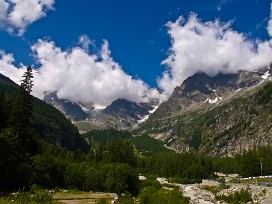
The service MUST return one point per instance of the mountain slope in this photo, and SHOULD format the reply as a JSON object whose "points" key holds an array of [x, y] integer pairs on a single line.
{"points": [[124, 114], [198, 89], [73, 111], [48, 122], [223, 115]]}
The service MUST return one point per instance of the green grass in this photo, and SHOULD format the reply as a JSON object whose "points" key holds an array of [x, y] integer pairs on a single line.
{"points": [[82, 197], [40, 197]]}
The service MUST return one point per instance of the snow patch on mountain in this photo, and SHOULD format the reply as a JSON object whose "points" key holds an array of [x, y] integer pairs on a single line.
{"points": [[83, 108], [147, 116], [266, 75], [99, 107], [216, 100]]}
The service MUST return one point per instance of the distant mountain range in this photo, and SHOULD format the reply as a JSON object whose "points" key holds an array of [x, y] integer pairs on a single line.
{"points": [[221, 115], [120, 114]]}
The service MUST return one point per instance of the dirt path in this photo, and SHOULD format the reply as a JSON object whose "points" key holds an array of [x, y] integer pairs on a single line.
{"points": [[89, 201], [82, 197]]}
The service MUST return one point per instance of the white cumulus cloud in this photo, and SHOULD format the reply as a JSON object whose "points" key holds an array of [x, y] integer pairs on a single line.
{"points": [[211, 47], [16, 15], [77, 75], [8, 69]]}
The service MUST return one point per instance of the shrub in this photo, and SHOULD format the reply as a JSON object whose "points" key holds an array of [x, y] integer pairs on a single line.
{"points": [[242, 196]]}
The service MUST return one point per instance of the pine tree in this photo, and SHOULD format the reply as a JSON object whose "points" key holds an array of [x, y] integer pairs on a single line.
{"points": [[17, 142], [22, 115]]}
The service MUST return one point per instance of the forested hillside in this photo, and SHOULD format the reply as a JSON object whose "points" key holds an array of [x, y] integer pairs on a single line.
{"points": [[49, 123]]}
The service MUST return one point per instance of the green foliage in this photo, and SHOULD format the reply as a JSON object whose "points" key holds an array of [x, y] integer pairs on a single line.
{"points": [[152, 195], [189, 166], [243, 196], [17, 141], [53, 127], [150, 182], [93, 179], [74, 176], [226, 165], [120, 178], [22, 197], [106, 136], [121, 151], [147, 145], [126, 200], [247, 164], [24, 120], [48, 171], [15, 169], [21, 116]]}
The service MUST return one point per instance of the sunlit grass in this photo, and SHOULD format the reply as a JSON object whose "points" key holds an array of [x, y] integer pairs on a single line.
{"points": [[81, 196]]}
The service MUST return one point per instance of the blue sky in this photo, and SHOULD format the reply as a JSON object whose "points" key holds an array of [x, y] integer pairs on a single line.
{"points": [[137, 35]]}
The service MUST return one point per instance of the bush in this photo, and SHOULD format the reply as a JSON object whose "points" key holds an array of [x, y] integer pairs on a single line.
{"points": [[126, 200], [151, 195], [242, 196], [39, 197]]}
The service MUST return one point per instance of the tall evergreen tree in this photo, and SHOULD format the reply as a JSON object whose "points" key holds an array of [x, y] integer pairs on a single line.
{"points": [[17, 142], [22, 115]]}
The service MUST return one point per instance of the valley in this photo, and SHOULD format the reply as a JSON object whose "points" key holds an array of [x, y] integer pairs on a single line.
{"points": [[135, 102], [208, 125]]}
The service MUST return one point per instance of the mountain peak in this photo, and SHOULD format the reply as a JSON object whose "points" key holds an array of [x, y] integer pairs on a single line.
{"points": [[200, 88]]}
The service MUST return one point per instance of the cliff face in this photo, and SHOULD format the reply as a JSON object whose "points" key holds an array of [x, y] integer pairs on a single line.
{"points": [[221, 116]]}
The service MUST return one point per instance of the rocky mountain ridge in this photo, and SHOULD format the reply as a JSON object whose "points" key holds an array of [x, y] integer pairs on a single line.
{"points": [[120, 114], [200, 90], [222, 115]]}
